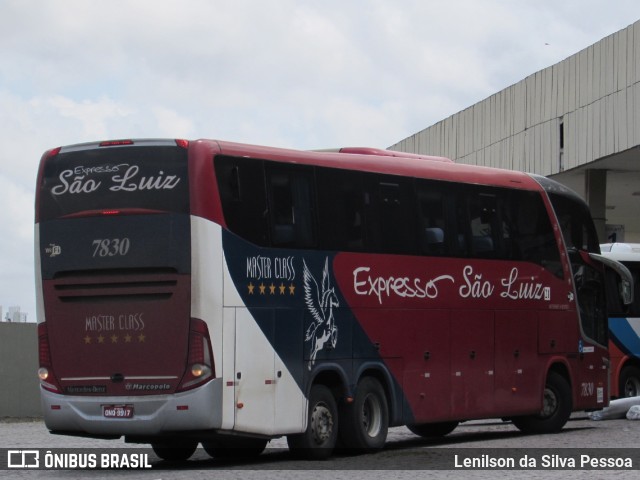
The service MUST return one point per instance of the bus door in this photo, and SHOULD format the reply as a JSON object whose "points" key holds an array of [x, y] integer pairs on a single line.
{"points": [[268, 400], [254, 372]]}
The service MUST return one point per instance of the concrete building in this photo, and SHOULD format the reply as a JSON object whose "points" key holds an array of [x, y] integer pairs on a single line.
{"points": [[577, 121], [14, 315]]}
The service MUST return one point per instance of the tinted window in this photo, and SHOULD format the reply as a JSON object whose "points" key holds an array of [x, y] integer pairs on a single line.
{"points": [[433, 231], [579, 235], [244, 203], [576, 223], [392, 217], [530, 235], [153, 178], [614, 303], [291, 205], [341, 197]]}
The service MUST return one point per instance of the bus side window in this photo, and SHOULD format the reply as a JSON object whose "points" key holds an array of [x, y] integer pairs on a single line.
{"points": [[432, 233], [291, 206], [341, 213], [533, 237], [243, 196], [484, 225], [534, 240], [392, 224]]}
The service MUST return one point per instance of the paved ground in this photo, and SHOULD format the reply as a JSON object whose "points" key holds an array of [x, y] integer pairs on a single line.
{"points": [[405, 456]]}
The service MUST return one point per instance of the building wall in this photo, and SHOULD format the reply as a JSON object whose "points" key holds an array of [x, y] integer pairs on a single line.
{"points": [[20, 391], [596, 91]]}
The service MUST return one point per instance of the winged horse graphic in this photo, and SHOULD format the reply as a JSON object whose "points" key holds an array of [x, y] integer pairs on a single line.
{"points": [[320, 300]]}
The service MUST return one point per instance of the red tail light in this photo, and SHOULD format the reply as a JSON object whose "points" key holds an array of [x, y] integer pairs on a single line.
{"points": [[45, 372], [200, 367], [182, 143]]}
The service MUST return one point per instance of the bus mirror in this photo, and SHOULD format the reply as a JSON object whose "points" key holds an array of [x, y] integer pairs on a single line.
{"points": [[626, 279]]}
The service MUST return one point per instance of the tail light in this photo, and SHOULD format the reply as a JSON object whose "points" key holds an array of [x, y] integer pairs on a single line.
{"points": [[45, 372], [200, 367]]}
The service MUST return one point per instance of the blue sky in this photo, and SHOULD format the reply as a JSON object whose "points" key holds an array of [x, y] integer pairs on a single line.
{"points": [[302, 74]]}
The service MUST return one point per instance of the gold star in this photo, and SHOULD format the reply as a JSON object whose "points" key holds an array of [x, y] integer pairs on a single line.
{"points": [[114, 339], [141, 338], [127, 338], [262, 288], [87, 339], [282, 289], [251, 286], [100, 339], [292, 289], [272, 289]]}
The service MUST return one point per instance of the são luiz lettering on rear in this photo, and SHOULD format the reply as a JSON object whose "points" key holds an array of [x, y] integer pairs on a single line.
{"points": [[186, 287]]}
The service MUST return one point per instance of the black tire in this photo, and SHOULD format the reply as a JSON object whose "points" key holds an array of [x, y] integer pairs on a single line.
{"points": [[175, 451], [629, 382], [556, 408], [364, 423], [319, 440], [235, 447], [433, 429]]}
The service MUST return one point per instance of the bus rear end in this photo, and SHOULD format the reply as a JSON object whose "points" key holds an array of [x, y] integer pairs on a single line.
{"points": [[119, 351]]}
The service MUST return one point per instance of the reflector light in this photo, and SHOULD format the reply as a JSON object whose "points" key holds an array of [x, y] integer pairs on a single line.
{"points": [[182, 407], [115, 143], [55, 407]]}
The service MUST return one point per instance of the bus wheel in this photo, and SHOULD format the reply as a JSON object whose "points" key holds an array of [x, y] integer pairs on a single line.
{"points": [[556, 408], [433, 429], [364, 422], [174, 451], [320, 438], [629, 382], [235, 447]]}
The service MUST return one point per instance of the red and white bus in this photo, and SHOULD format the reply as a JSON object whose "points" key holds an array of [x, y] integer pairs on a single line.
{"points": [[225, 294]]}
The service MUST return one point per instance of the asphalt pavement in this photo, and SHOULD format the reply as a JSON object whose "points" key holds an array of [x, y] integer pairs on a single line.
{"points": [[479, 449]]}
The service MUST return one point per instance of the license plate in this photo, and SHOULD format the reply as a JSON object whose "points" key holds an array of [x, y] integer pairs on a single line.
{"points": [[117, 411]]}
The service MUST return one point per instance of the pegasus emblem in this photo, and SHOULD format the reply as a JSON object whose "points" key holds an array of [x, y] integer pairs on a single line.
{"points": [[320, 300]]}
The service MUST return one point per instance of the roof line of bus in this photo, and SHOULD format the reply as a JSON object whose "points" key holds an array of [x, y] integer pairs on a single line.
{"points": [[354, 158], [371, 160]]}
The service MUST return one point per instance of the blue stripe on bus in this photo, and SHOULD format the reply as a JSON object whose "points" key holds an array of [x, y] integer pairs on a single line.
{"points": [[624, 336]]}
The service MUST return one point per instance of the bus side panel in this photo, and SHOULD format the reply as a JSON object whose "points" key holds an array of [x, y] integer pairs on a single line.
{"points": [[251, 370], [427, 352], [517, 365], [472, 363]]}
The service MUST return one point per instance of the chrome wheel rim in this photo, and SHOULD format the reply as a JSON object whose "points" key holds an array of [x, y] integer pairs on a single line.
{"points": [[371, 415], [321, 423]]}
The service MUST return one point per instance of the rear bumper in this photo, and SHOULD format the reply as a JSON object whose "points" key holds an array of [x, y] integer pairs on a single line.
{"points": [[197, 409]]}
